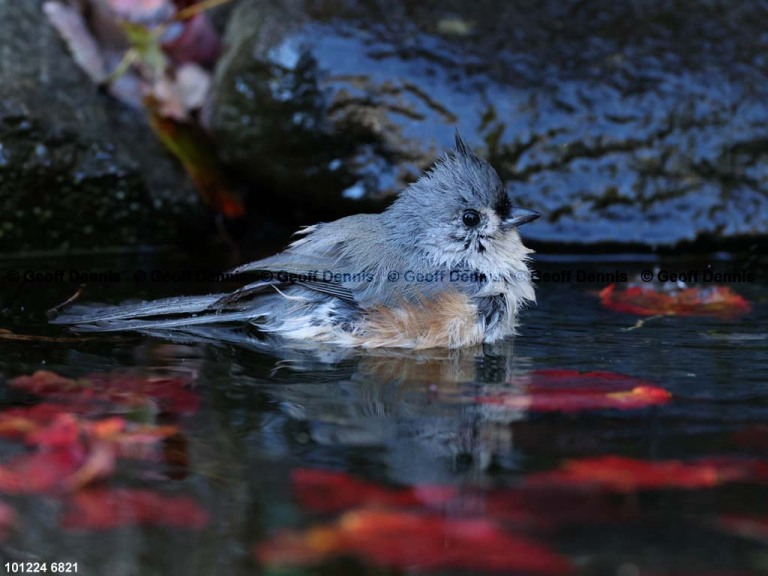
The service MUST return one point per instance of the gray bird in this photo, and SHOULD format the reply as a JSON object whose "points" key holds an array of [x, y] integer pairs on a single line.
{"points": [[443, 266]]}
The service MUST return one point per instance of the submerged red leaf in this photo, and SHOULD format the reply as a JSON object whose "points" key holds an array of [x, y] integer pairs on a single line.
{"points": [[409, 540], [753, 437], [546, 510], [7, 519], [99, 462], [95, 393], [20, 422], [49, 426], [326, 491], [63, 432], [39, 472], [44, 382], [651, 300], [102, 509], [323, 491], [66, 459], [573, 391], [139, 442], [59, 470], [72, 452], [620, 474], [747, 526]]}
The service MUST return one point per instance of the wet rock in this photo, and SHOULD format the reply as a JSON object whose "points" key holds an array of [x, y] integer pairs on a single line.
{"points": [[625, 123], [77, 170]]}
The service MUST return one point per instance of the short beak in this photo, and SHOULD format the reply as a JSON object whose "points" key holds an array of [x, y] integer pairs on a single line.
{"points": [[519, 216]]}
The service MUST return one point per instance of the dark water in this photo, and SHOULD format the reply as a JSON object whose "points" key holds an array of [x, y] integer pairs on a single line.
{"points": [[400, 420]]}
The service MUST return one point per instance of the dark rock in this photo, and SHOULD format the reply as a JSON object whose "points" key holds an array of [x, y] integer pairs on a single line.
{"points": [[623, 122], [77, 169]]}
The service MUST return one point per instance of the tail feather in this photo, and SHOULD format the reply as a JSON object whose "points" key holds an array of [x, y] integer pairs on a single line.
{"points": [[167, 306], [168, 313], [131, 324]]}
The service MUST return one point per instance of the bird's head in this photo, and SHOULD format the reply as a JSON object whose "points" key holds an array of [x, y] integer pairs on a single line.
{"points": [[459, 214]]}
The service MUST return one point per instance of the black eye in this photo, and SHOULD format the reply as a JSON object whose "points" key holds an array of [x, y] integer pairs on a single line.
{"points": [[470, 218]]}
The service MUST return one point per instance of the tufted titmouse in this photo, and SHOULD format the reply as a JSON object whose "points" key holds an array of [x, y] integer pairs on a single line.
{"points": [[443, 266]]}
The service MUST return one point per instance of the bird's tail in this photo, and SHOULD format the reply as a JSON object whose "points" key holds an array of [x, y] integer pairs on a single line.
{"points": [[168, 313]]}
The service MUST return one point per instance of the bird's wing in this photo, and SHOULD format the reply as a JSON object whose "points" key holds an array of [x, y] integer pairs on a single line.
{"points": [[353, 260], [326, 259], [316, 273], [386, 282], [311, 272]]}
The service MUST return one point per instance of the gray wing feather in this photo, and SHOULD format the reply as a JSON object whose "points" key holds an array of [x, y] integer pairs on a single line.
{"points": [[332, 289]]}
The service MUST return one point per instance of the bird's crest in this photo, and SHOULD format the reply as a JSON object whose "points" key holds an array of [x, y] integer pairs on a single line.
{"points": [[462, 147]]}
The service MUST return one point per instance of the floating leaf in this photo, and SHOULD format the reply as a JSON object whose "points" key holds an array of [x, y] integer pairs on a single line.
{"points": [[574, 391], [620, 474], [413, 541], [103, 509], [652, 300]]}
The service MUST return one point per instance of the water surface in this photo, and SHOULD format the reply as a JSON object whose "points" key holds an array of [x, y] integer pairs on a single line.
{"points": [[399, 420]]}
